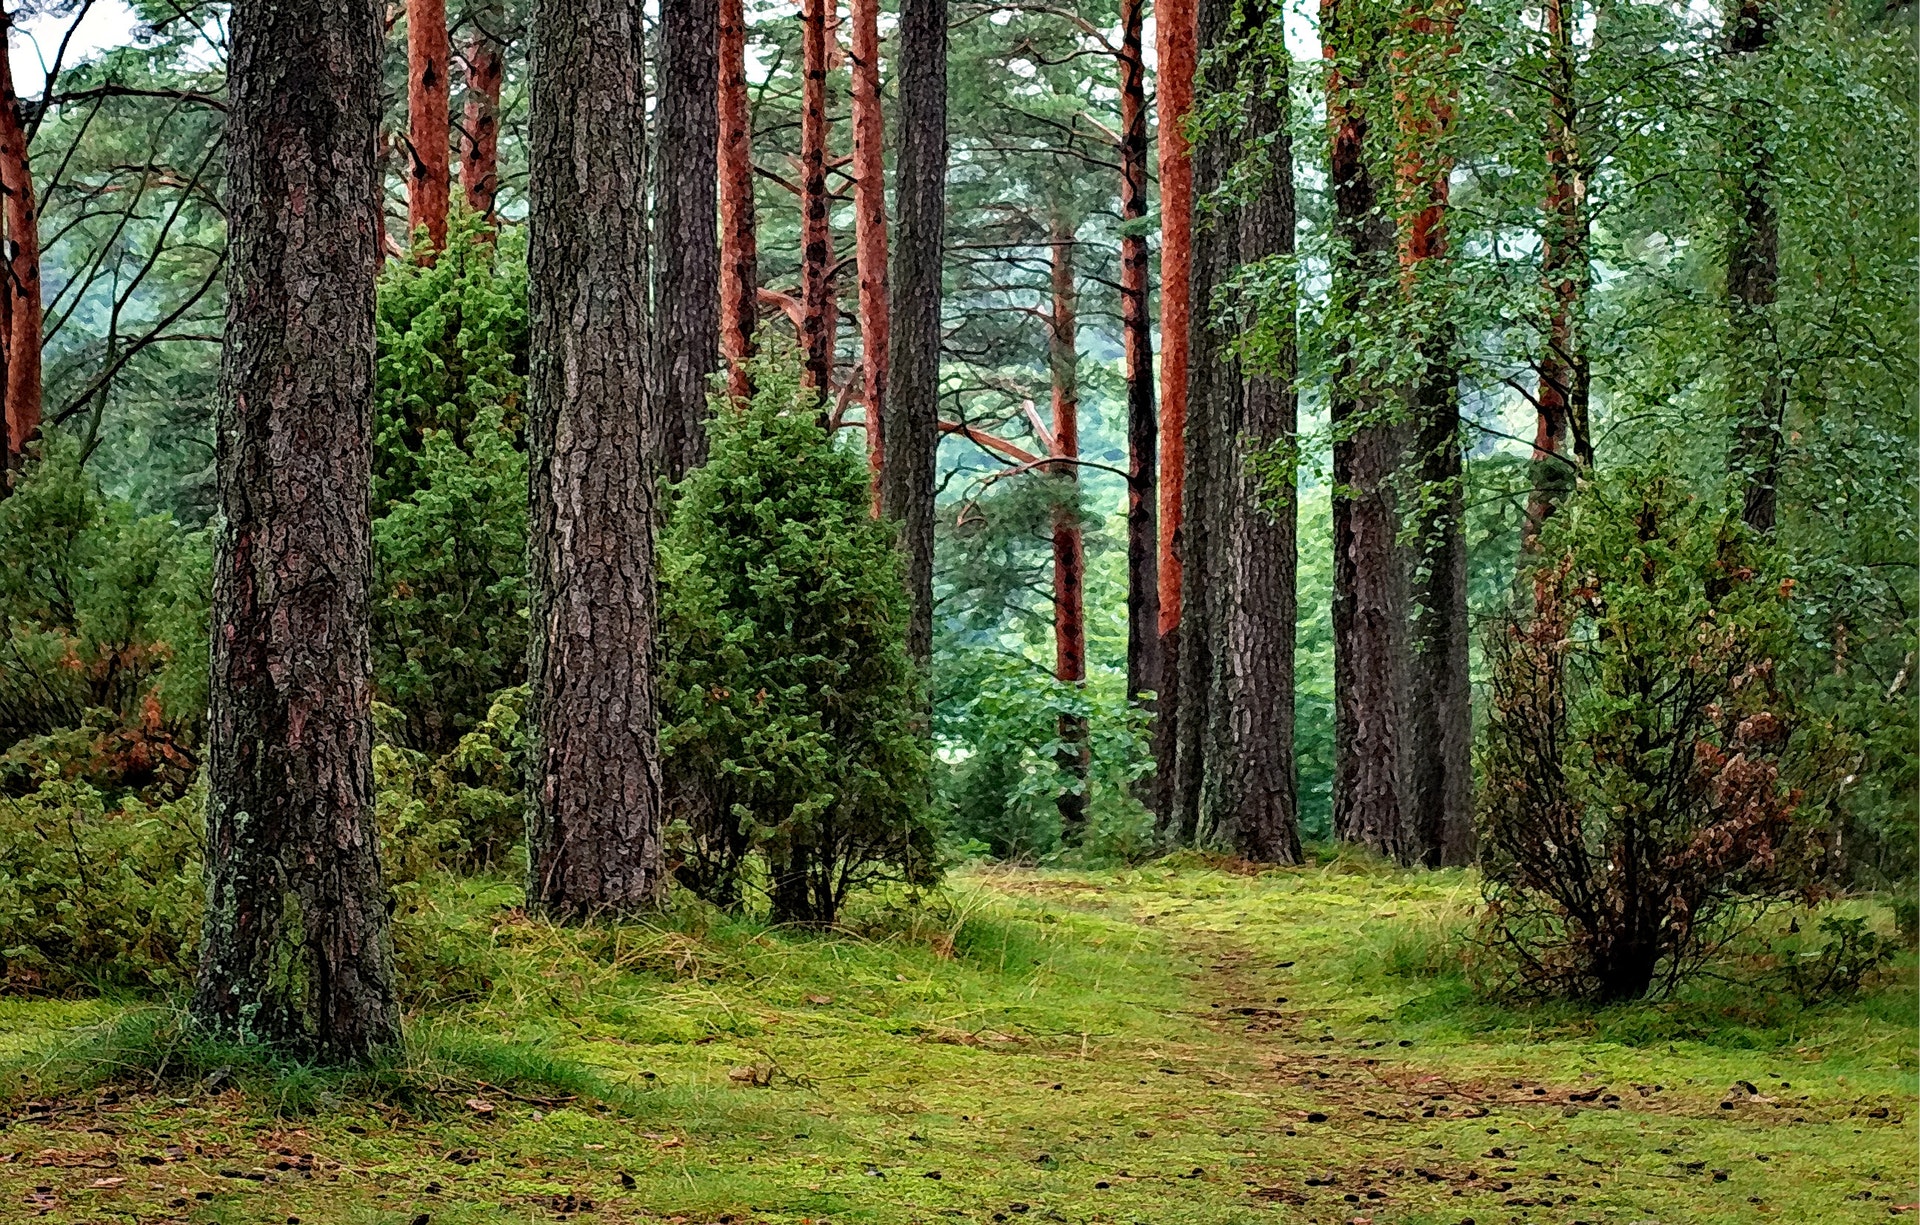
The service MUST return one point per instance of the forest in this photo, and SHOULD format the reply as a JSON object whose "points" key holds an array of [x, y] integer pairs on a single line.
{"points": [[1139, 612]]}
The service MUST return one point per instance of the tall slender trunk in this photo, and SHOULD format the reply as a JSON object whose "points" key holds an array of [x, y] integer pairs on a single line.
{"points": [[429, 60], [295, 950], [816, 238], [912, 433], [480, 120], [23, 263], [1757, 396], [1369, 582], [1252, 801], [870, 228], [1136, 325], [1069, 553], [686, 253], [1174, 33], [739, 244], [594, 838]]}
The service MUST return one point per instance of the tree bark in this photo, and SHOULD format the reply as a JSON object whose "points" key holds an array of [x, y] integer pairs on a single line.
{"points": [[594, 813], [870, 229], [429, 61], [1175, 30], [480, 140], [739, 247], [296, 950], [1756, 392], [1369, 582], [1069, 552], [1136, 324], [816, 236], [912, 432], [23, 396], [686, 262]]}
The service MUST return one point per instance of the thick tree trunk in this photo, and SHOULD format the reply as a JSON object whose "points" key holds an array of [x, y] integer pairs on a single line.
{"points": [[816, 236], [296, 950], [1369, 583], [912, 433], [1069, 552], [593, 833], [23, 263], [429, 62], [686, 260], [1756, 392], [870, 228], [1136, 324], [1175, 30], [480, 141], [739, 245]]}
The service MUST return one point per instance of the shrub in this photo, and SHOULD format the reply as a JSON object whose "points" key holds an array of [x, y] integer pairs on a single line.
{"points": [[1639, 754], [463, 811], [788, 703]]}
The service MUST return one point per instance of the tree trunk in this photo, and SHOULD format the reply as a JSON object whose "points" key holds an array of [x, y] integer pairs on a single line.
{"points": [[870, 228], [739, 247], [429, 60], [1069, 553], [1253, 801], [1369, 584], [480, 142], [1136, 324], [23, 265], [912, 432], [593, 833], [686, 262], [295, 949], [1756, 393], [816, 237], [1174, 33]]}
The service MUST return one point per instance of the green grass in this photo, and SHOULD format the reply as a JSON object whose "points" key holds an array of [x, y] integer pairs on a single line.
{"points": [[1151, 1045]]}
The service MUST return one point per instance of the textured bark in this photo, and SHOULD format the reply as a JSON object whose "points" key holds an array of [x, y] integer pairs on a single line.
{"points": [[1136, 324], [686, 261], [480, 118], [594, 811], [739, 245], [1174, 34], [1251, 799], [1756, 393], [296, 950], [912, 433], [816, 236], [1369, 582], [23, 263], [429, 62], [870, 228], [1069, 551]]}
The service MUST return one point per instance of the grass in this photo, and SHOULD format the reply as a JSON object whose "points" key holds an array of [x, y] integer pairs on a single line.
{"points": [[1178, 1043]]}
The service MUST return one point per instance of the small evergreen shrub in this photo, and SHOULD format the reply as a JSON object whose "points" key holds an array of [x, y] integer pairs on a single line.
{"points": [[464, 811], [788, 703]]}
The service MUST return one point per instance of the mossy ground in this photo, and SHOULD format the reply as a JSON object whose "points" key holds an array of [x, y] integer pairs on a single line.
{"points": [[1179, 1043]]}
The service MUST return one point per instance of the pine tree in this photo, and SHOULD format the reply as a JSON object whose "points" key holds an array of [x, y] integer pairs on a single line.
{"points": [[429, 62], [686, 263]]}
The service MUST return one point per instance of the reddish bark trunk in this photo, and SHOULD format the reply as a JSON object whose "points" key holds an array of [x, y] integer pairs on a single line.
{"points": [[1136, 323], [480, 142], [1069, 553], [428, 58], [23, 270], [870, 226], [816, 239], [739, 247]]}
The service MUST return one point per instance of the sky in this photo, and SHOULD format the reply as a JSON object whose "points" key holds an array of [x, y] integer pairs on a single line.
{"points": [[36, 40]]}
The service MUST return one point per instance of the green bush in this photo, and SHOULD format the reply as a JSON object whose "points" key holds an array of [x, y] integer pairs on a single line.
{"points": [[463, 811], [788, 703]]}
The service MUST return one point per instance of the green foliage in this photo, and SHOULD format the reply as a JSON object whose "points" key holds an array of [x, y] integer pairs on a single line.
{"points": [[1844, 963], [463, 811], [788, 703]]}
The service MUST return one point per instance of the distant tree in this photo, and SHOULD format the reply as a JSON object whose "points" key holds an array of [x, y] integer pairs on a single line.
{"points": [[429, 82], [870, 229], [22, 311], [486, 61], [686, 261], [739, 237]]}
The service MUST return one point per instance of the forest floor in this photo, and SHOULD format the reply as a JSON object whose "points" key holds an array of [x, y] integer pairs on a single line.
{"points": [[1178, 1044]]}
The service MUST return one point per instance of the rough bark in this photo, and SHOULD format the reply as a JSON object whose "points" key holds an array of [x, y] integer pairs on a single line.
{"points": [[1069, 552], [429, 63], [1369, 583], [816, 236], [870, 229], [686, 260], [594, 810], [22, 339], [1174, 33], [1136, 324], [739, 246], [1756, 393], [296, 950], [480, 118], [912, 433]]}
